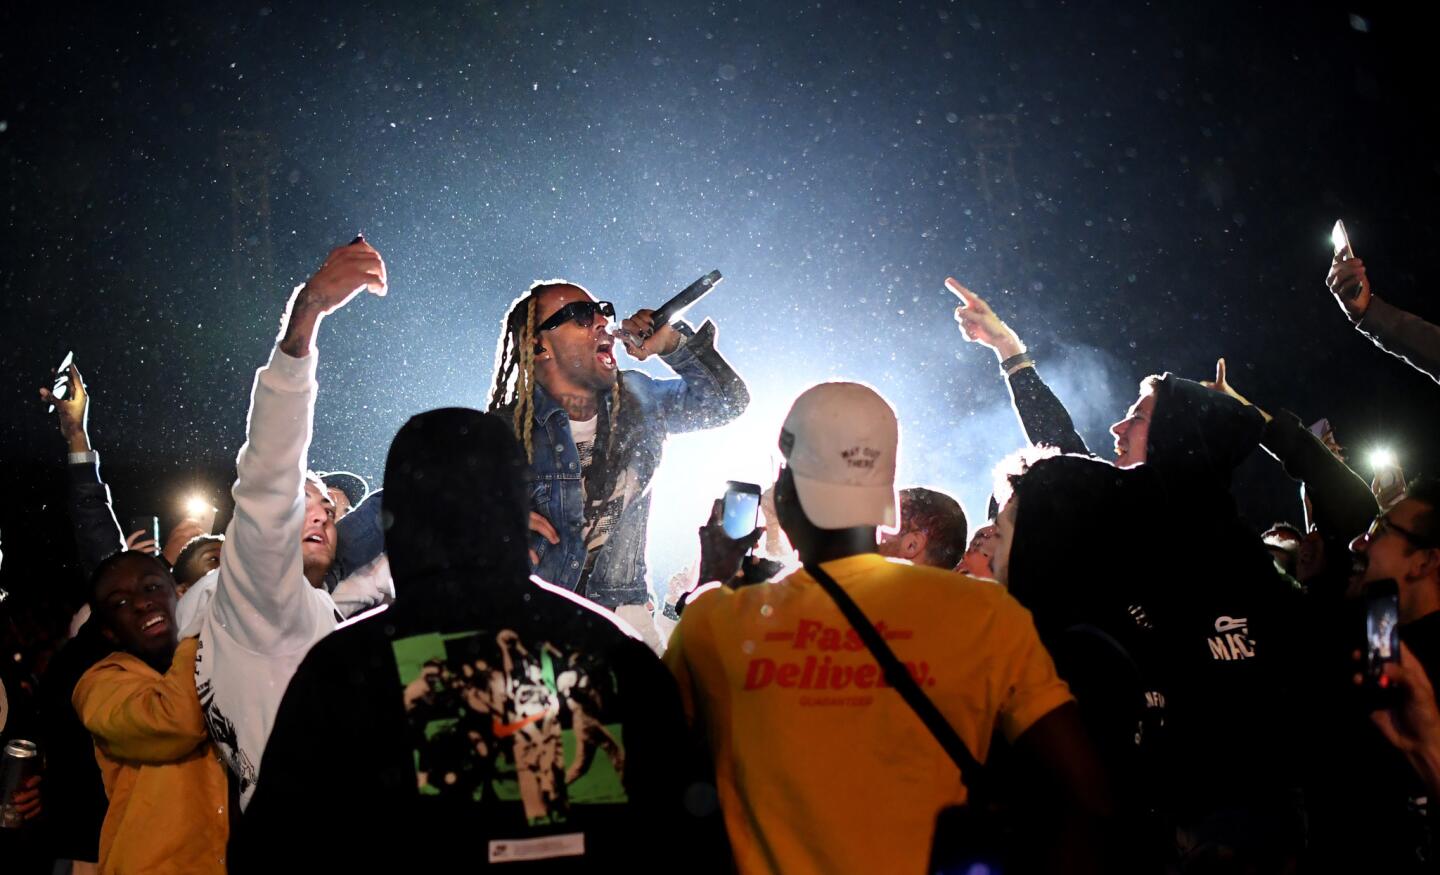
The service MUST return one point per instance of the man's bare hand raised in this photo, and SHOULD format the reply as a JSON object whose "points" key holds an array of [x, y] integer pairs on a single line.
{"points": [[980, 325], [346, 273]]}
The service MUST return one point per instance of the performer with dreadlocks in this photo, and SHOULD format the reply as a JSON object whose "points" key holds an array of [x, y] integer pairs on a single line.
{"points": [[594, 434]]}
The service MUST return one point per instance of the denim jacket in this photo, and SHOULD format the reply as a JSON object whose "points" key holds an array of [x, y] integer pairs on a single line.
{"points": [[708, 394]]}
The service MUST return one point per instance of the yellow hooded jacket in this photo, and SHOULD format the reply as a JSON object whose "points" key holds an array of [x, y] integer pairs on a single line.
{"points": [[167, 787]]}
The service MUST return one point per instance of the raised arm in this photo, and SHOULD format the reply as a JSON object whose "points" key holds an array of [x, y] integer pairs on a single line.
{"points": [[97, 534], [1338, 502], [709, 392], [1403, 335], [1342, 501], [141, 717], [261, 581], [1043, 418]]}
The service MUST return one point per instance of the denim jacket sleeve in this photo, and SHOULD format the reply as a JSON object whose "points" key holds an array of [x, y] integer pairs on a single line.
{"points": [[709, 393], [359, 536]]}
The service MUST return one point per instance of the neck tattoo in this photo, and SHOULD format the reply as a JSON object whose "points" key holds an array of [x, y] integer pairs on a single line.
{"points": [[579, 407]]}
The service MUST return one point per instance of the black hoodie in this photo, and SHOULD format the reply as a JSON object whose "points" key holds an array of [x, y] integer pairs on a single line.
{"points": [[482, 718], [1093, 541], [1077, 566], [1229, 618]]}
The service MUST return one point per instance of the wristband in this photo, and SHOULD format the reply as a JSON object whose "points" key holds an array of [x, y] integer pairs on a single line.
{"points": [[1015, 362]]}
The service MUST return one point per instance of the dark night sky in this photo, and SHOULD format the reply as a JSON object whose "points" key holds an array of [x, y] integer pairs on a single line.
{"points": [[1176, 170]]}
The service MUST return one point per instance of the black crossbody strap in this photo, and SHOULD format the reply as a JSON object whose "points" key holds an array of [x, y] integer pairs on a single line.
{"points": [[971, 772]]}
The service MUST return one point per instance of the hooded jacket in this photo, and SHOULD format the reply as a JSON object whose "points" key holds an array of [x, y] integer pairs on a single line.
{"points": [[168, 807], [491, 717], [1165, 538], [1228, 617]]}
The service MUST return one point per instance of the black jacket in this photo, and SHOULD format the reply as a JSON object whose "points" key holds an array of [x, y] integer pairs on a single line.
{"points": [[1043, 418], [1166, 538], [74, 794], [1230, 618], [1339, 502], [1080, 564]]}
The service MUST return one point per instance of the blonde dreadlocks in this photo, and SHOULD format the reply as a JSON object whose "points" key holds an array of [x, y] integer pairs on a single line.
{"points": [[515, 370]]}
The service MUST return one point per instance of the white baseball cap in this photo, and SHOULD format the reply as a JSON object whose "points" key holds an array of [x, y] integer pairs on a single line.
{"points": [[840, 441]]}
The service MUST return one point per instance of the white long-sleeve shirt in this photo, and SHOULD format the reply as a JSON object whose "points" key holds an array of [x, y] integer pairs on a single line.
{"points": [[263, 616]]}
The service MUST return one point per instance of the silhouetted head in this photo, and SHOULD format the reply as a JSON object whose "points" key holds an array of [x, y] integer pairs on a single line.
{"points": [[455, 499]]}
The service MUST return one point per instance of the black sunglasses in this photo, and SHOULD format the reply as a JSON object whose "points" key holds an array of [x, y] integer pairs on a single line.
{"points": [[582, 312]]}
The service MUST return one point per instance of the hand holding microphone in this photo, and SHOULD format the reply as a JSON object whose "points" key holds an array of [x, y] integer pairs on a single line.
{"points": [[648, 332], [652, 339]]}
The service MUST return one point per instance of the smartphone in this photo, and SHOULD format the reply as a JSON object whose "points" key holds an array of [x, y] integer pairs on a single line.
{"points": [[150, 523], [1341, 241], [1320, 427], [742, 509], [1382, 637], [62, 379]]}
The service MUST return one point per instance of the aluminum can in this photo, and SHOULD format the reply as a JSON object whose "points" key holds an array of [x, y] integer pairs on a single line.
{"points": [[20, 763]]}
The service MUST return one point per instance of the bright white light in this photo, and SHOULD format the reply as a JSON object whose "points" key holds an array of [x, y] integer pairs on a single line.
{"points": [[1382, 458], [1338, 238], [196, 507], [697, 465]]}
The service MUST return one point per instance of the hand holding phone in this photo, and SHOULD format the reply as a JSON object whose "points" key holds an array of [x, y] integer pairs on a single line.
{"points": [[68, 400], [1412, 723], [146, 536], [62, 380], [741, 508], [1346, 279], [721, 554], [1382, 640]]}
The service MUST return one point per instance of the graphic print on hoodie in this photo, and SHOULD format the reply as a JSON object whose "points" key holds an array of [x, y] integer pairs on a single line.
{"points": [[497, 718]]}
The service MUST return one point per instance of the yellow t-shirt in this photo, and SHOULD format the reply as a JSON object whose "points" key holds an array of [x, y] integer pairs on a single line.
{"points": [[821, 766]]}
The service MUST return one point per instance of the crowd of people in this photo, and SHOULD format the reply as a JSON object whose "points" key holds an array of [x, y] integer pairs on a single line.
{"points": [[468, 666]]}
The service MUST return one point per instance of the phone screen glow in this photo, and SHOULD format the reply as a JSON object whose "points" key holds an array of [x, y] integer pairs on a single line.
{"points": [[1339, 239], [742, 512], [1382, 629]]}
